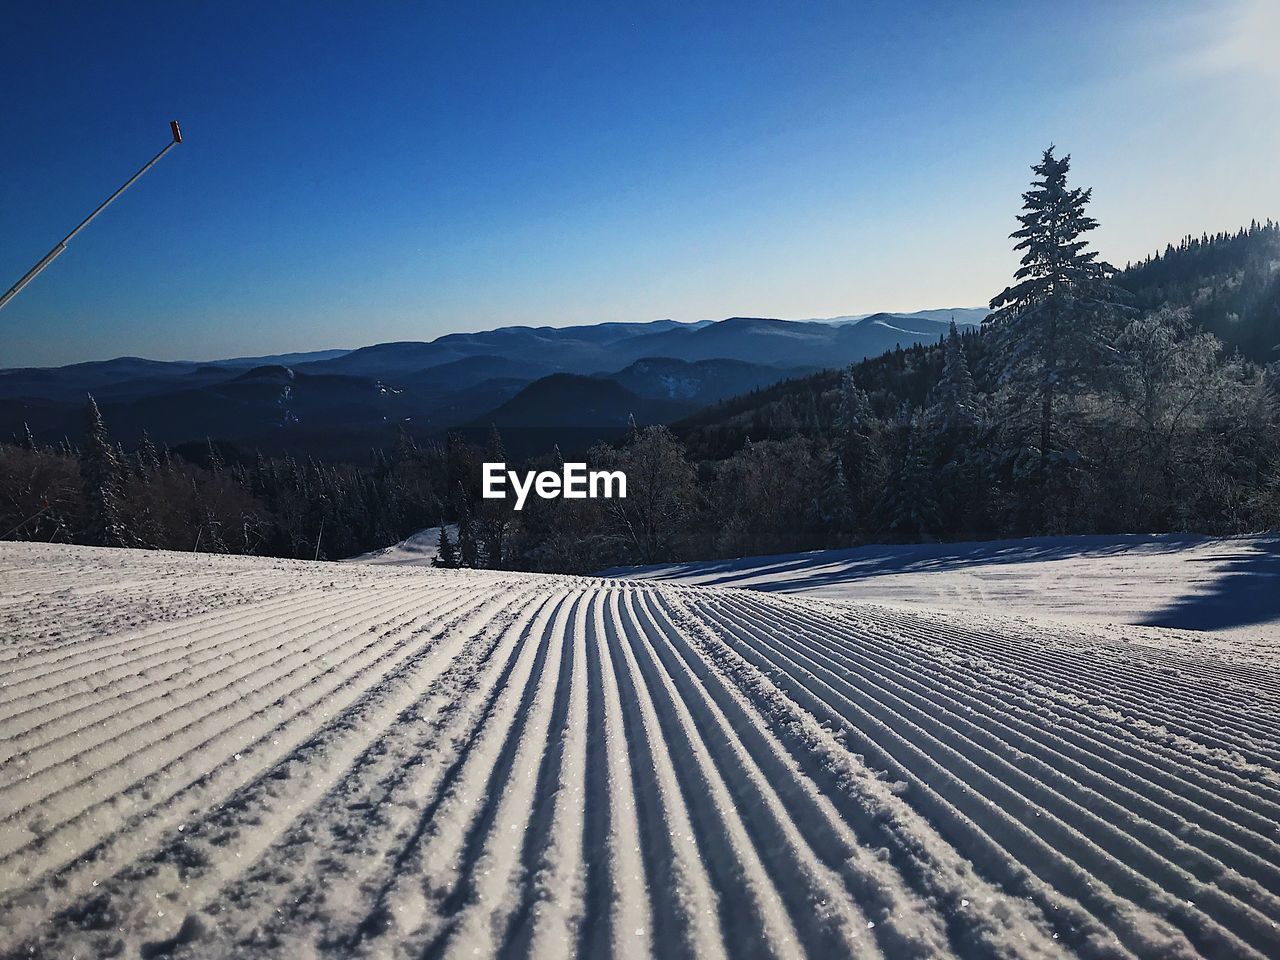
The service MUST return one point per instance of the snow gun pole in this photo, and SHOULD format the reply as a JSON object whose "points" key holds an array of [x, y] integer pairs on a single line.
{"points": [[62, 244]]}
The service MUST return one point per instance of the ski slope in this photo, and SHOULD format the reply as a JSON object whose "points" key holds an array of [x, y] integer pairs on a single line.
{"points": [[1226, 588], [210, 756]]}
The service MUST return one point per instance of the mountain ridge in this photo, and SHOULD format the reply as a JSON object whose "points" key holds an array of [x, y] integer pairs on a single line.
{"points": [[356, 397]]}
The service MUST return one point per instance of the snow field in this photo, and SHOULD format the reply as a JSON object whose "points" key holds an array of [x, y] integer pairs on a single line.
{"points": [[1171, 589], [216, 756]]}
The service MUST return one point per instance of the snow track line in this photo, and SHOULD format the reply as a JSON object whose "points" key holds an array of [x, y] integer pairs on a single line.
{"points": [[69, 823], [1049, 846], [1227, 794], [555, 905], [162, 644], [480, 611], [801, 885], [411, 907], [495, 875], [548, 812], [1092, 681], [969, 820], [416, 691], [500, 775], [1216, 836], [237, 658], [400, 797], [1076, 713], [668, 883], [630, 915], [227, 698], [74, 655], [787, 790], [923, 860], [1241, 905]]}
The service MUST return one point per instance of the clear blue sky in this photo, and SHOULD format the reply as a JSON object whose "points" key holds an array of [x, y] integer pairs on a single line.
{"points": [[413, 169]]}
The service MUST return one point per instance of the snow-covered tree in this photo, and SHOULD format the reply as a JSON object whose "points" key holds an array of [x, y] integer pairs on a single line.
{"points": [[909, 508], [1170, 396], [406, 448], [101, 475], [1047, 322], [859, 443], [662, 488], [954, 397], [149, 459], [836, 507], [216, 462]]}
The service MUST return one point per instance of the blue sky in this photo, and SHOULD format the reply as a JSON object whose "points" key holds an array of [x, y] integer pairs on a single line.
{"points": [[406, 169]]}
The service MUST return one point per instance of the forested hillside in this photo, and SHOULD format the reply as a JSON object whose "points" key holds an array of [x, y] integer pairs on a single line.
{"points": [[1091, 401], [1229, 282]]}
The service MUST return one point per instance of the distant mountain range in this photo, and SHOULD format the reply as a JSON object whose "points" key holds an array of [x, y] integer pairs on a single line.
{"points": [[961, 315], [340, 403]]}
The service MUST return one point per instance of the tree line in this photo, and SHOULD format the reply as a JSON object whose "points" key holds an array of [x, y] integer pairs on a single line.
{"points": [[214, 499]]}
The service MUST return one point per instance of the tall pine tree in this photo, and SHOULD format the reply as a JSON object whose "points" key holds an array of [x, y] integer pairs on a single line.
{"points": [[954, 419], [954, 397], [1048, 320], [859, 442]]}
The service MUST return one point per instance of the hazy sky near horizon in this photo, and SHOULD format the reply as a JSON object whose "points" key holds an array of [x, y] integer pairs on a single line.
{"points": [[410, 170]]}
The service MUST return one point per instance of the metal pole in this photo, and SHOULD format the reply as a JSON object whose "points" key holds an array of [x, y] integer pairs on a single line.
{"points": [[62, 244], [43, 510]]}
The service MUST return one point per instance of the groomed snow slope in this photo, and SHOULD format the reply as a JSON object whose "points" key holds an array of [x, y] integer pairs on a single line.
{"points": [[1226, 586], [219, 756]]}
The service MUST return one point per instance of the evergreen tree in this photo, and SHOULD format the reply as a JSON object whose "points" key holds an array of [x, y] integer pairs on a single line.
{"points": [[835, 505], [468, 554], [909, 506], [126, 465], [148, 459], [406, 450], [952, 421], [147, 529], [216, 462], [1048, 320], [859, 444], [494, 515], [101, 475], [448, 553], [955, 397], [495, 452]]}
